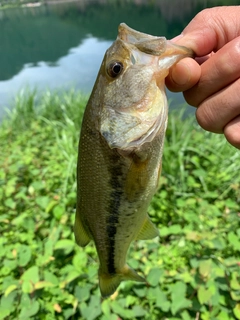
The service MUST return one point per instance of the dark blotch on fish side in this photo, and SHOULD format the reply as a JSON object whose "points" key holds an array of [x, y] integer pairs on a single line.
{"points": [[114, 205]]}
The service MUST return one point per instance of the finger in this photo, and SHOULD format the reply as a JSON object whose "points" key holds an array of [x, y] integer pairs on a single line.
{"points": [[218, 71], [211, 29], [184, 75], [207, 32], [232, 132], [214, 113], [202, 59]]}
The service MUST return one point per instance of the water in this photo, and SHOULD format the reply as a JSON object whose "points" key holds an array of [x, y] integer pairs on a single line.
{"points": [[61, 45]]}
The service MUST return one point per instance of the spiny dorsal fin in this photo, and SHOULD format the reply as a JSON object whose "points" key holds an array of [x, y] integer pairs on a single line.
{"points": [[148, 230]]}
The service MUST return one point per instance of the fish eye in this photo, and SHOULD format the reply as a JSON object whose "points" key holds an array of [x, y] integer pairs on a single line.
{"points": [[114, 69]]}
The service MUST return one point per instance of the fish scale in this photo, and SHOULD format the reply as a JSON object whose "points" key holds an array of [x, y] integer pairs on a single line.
{"points": [[120, 150]]}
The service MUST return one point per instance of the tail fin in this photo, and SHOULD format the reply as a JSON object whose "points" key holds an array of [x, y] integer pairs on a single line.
{"points": [[109, 283]]}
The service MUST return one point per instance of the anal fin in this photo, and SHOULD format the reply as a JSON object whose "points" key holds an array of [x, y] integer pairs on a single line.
{"points": [[148, 230], [81, 235]]}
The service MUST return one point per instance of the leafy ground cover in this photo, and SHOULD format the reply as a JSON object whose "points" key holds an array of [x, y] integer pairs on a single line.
{"points": [[192, 270]]}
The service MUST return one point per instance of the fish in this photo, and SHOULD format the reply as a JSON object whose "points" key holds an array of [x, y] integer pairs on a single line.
{"points": [[120, 150]]}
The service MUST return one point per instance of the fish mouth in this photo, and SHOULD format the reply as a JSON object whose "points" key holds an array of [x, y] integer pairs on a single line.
{"points": [[158, 52], [153, 45]]}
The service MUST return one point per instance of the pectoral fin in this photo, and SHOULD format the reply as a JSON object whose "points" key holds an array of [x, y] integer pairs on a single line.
{"points": [[148, 230], [137, 178], [81, 235]]}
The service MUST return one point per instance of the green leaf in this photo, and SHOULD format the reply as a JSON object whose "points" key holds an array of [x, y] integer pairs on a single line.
{"points": [[24, 255], [223, 316], [10, 289], [38, 185], [130, 300], [138, 311], [236, 311], [8, 302], [4, 312], [179, 301], [219, 243], [161, 300], [110, 317], [140, 291], [234, 241], [50, 206], [50, 277], [66, 245], [185, 315], [42, 201], [204, 295], [235, 295], [29, 311], [175, 229], [68, 313], [235, 281], [31, 275], [48, 248], [27, 287], [58, 211], [80, 260], [154, 276], [122, 312], [194, 262], [10, 203], [72, 275], [93, 310], [43, 284], [178, 289], [205, 267], [83, 294], [106, 308]]}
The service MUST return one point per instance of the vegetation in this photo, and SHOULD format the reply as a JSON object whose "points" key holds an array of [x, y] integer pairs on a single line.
{"points": [[192, 271]]}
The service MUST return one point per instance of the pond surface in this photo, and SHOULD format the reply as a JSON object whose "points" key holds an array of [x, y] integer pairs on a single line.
{"points": [[61, 45]]}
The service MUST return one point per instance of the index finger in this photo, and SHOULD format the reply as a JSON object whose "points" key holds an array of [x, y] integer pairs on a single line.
{"points": [[211, 29]]}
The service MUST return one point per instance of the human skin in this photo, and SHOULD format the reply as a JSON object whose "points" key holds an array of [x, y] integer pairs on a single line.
{"points": [[211, 82]]}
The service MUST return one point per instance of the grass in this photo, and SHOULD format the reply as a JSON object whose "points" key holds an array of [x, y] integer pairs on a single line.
{"points": [[192, 271]]}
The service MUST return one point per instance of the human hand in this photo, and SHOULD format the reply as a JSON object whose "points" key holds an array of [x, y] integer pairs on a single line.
{"points": [[211, 82]]}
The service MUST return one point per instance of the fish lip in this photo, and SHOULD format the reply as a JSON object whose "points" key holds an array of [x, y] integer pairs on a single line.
{"points": [[145, 43], [174, 49], [154, 45], [133, 36], [173, 54]]}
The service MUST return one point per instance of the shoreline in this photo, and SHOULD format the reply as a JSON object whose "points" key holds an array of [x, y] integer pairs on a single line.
{"points": [[30, 4]]}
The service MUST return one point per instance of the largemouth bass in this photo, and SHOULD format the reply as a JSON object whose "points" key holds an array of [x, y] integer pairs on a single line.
{"points": [[120, 150]]}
